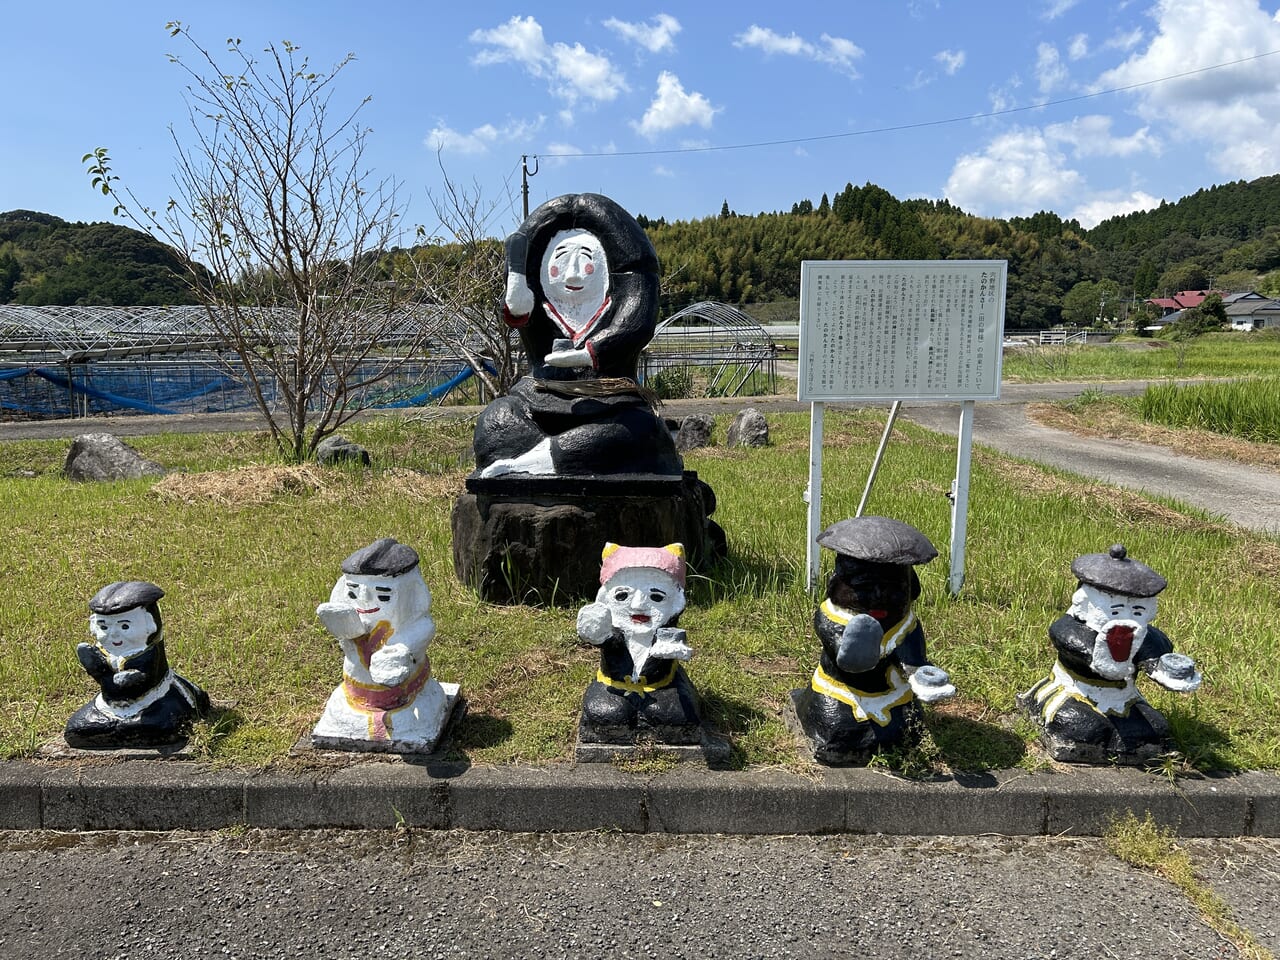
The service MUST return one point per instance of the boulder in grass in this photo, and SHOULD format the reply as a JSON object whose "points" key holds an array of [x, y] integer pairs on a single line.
{"points": [[338, 449], [695, 431], [749, 429], [102, 456]]}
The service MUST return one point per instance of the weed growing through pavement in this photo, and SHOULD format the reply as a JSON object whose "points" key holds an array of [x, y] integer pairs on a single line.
{"points": [[1143, 843]]}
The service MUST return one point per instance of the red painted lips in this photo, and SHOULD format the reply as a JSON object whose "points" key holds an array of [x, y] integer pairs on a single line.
{"points": [[1120, 643]]}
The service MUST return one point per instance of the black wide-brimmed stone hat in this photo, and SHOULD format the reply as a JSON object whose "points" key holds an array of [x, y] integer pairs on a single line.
{"points": [[879, 540], [382, 558], [1115, 572], [124, 595]]}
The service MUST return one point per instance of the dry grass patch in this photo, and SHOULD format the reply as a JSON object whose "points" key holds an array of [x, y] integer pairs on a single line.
{"points": [[1262, 556], [242, 486], [254, 486], [1114, 421], [1096, 499]]}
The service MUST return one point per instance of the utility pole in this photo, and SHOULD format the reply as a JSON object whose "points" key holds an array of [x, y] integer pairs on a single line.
{"points": [[525, 174]]}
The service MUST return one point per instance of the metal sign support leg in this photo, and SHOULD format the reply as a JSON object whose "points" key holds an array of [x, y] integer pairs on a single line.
{"points": [[813, 495], [875, 466], [960, 498]]}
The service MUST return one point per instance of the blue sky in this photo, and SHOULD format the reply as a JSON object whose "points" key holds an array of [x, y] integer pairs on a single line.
{"points": [[1000, 106]]}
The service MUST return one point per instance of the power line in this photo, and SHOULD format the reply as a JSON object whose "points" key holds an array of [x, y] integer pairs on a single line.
{"points": [[911, 126]]}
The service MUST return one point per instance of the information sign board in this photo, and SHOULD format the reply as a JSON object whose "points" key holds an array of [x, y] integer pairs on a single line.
{"points": [[901, 329]]}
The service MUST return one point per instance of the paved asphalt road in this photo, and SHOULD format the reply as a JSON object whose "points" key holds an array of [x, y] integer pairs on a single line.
{"points": [[359, 894]]}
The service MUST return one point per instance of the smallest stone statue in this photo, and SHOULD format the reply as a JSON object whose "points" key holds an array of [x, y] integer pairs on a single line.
{"points": [[388, 701], [143, 702], [873, 672], [1089, 708], [641, 689]]}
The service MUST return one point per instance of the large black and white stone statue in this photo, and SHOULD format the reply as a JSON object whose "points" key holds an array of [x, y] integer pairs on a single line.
{"points": [[641, 690], [575, 455], [873, 673], [1089, 708], [143, 702], [582, 291], [379, 612]]}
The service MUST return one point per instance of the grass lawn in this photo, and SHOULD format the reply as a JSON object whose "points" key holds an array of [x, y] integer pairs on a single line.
{"points": [[245, 549]]}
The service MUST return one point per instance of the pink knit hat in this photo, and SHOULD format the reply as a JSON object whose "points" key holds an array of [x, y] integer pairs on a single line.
{"points": [[668, 559]]}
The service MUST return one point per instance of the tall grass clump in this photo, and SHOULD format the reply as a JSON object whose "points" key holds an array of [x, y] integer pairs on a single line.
{"points": [[1249, 409]]}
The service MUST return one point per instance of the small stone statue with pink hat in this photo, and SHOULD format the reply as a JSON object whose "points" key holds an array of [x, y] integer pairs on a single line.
{"points": [[641, 690]]}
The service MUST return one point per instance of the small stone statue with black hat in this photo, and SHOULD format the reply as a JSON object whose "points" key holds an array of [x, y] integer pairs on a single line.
{"points": [[1089, 707], [873, 672], [378, 611], [143, 702]]}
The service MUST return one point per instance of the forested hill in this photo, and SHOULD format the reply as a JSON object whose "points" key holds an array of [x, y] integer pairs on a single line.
{"points": [[1238, 211], [46, 260], [741, 259], [1227, 237]]}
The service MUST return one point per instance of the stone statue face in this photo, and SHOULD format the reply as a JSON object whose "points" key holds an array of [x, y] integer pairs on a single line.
{"points": [[641, 599], [880, 590], [122, 634], [397, 600], [575, 274], [1098, 607]]}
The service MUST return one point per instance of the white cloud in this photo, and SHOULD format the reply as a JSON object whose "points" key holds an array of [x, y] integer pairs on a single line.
{"points": [[1091, 136], [836, 52], [951, 60], [1019, 173], [1004, 98], [1125, 41], [662, 171], [1051, 74], [571, 71], [1228, 112], [1078, 46], [656, 36], [1057, 8], [672, 107], [481, 138], [1113, 204]]}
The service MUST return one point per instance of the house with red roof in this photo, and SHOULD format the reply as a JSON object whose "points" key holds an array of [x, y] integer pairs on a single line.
{"points": [[1182, 300]]}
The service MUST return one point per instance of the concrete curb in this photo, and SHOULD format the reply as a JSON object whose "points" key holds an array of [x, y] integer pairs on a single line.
{"points": [[172, 795]]}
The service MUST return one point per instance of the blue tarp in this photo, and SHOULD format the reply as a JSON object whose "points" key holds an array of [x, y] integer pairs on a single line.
{"points": [[144, 388]]}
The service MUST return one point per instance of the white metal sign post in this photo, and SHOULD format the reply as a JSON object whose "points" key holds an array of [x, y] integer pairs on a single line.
{"points": [[899, 330]]}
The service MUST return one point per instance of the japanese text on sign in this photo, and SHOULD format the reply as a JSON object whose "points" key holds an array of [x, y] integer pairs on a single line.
{"points": [[901, 329]]}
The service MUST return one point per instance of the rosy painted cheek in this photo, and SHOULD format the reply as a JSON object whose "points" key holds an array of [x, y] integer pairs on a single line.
{"points": [[554, 271], [589, 269]]}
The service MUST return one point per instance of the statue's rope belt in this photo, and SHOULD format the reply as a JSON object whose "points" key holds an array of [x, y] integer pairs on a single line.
{"points": [[599, 387]]}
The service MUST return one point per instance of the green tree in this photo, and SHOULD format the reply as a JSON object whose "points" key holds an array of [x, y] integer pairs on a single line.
{"points": [[1146, 278], [1186, 275]]}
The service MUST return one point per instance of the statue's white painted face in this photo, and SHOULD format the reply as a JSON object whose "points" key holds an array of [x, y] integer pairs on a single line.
{"points": [[575, 271], [122, 634], [641, 599], [1098, 607], [394, 599]]}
